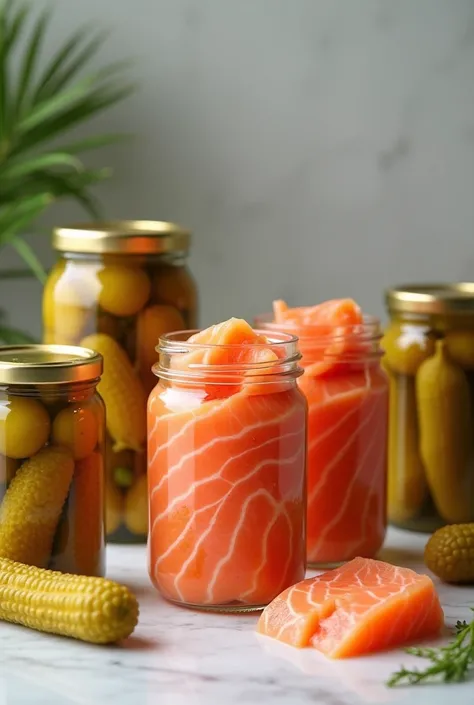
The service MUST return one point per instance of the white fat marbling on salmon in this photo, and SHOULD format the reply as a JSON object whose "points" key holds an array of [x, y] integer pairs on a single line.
{"points": [[269, 424]]}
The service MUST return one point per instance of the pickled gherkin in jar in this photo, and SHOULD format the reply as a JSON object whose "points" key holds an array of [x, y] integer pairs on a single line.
{"points": [[407, 486], [446, 435], [121, 285], [429, 356]]}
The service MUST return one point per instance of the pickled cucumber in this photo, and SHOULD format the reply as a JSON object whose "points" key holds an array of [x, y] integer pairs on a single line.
{"points": [[446, 430], [450, 553], [406, 346], [460, 345], [407, 486]]}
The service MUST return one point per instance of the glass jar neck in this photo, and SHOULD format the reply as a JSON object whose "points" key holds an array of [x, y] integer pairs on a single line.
{"points": [[183, 362], [75, 391], [443, 321]]}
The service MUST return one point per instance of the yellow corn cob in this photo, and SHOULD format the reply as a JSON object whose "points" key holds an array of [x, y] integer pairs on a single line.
{"points": [[31, 508], [91, 609], [122, 392]]}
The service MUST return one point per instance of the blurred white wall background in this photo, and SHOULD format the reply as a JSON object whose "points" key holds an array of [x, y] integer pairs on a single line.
{"points": [[316, 148]]}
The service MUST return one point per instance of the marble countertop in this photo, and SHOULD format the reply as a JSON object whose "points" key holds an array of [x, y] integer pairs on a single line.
{"points": [[181, 657]]}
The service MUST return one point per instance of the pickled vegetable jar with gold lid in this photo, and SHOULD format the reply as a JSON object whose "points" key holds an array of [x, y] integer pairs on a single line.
{"points": [[429, 357], [52, 432], [116, 288]]}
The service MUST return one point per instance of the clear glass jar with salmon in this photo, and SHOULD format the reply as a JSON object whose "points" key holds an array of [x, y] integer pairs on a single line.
{"points": [[52, 434], [116, 288], [429, 357], [226, 468], [347, 394]]}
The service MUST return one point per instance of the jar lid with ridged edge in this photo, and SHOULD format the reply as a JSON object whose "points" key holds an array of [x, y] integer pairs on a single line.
{"points": [[138, 237], [48, 364], [442, 298]]}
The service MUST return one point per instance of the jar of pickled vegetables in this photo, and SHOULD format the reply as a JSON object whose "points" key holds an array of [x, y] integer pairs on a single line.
{"points": [[347, 394], [52, 432], [117, 287], [429, 356], [226, 468]]}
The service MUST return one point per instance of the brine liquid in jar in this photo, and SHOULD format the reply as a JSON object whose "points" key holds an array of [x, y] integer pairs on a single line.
{"points": [[347, 394], [226, 468], [116, 288], [429, 357]]}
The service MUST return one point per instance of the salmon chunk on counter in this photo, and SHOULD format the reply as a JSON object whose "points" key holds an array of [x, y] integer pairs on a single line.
{"points": [[361, 607]]}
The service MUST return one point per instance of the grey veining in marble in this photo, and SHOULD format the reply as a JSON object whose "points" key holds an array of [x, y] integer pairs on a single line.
{"points": [[181, 657]]}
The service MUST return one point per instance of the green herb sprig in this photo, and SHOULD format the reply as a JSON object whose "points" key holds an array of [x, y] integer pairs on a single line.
{"points": [[449, 664]]}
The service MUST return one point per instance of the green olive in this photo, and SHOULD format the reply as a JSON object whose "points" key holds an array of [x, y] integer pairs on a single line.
{"points": [[406, 346]]}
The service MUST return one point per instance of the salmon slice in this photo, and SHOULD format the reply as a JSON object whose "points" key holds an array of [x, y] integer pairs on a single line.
{"points": [[226, 482], [335, 312], [361, 607], [235, 333], [346, 471], [330, 333]]}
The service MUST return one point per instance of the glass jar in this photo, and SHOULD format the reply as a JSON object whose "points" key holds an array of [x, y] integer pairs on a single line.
{"points": [[429, 356], [116, 288], [226, 473], [52, 429], [347, 394]]}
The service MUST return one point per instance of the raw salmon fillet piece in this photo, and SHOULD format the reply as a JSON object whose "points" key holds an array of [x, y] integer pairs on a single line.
{"points": [[335, 312], [361, 607]]}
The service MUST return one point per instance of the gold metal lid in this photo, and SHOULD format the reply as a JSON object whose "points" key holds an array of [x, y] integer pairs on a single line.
{"points": [[139, 237], [48, 364], [431, 298]]}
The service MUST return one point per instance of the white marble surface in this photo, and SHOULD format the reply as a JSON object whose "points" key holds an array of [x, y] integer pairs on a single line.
{"points": [[181, 657]]}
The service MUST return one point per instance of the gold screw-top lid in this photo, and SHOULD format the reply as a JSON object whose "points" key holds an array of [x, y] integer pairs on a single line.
{"points": [[431, 298], [138, 237], [48, 364]]}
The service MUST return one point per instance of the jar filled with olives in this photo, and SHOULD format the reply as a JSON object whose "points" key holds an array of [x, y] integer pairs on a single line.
{"points": [[429, 358], [116, 288]]}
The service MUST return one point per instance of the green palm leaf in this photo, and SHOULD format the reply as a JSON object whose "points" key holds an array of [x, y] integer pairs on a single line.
{"points": [[28, 255], [15, 26], [89, 107], [52, 73], [94, 142], [18, 214], [18, 168], [62, 77], [13, 336], [30, 60], [39, 104]]}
